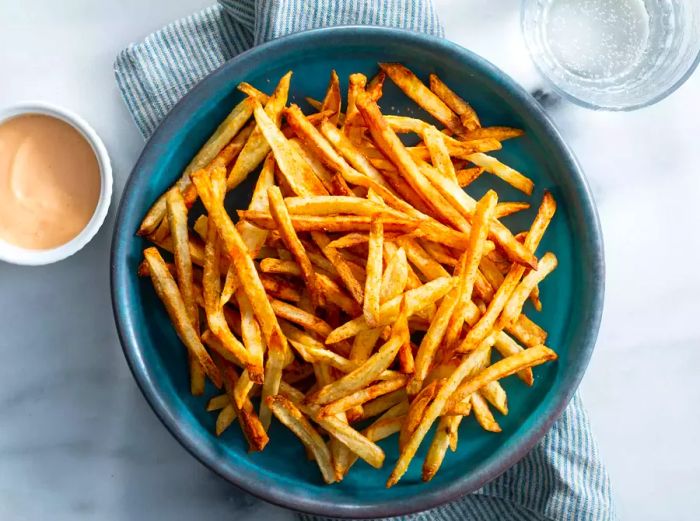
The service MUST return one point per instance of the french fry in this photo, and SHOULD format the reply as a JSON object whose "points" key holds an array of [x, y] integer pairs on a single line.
{"points": [[369, 370], [499, 133], [433, 411], [466, 113], [225, 418], [332, 100], [330, 224], [395, 150], [416, 299], [482, 413], [297, 172], [252, 338], [517, 299], [256, 148], [374, 273], [362, 396], [238, 253], [279, 213], [315, 163], [467, 176], [429, 267], [168, 292], [287, 413], [496, 396], [299, 316], [416, 411], [341, 265], [217, 403], [509, 175], [177, 218], [502, 368], [506, 346], [424, 97], [336, 205], [480, 224], [222, 135], [384, 403], [439, 155], [356, 83], [446, 429], [197, 376], [505, 209]]}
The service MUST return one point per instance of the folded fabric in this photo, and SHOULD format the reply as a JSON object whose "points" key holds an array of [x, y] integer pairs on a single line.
{"points": [[562, 478]]}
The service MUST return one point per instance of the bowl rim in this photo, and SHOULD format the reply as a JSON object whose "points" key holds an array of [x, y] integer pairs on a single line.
{"points": [[278, 495], [29, 257]]}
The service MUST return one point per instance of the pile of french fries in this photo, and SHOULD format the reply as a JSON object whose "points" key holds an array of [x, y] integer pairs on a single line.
{"points": [[363, 293]]}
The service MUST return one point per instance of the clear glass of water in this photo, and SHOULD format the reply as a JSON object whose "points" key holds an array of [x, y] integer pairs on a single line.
{"points": [[613, 54]]}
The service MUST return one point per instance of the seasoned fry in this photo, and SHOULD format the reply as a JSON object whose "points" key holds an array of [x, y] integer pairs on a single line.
{"points": [[332, 100], [285, 411], [424, 97], [226, 417], [279, 213], [256, 148], [514, 306], [217, 402], [222, 135], [468, 175], [297, 172], [330, 224], [341, 265], [504, 209], [446, 430], [482, 413], [374, 272], [509, 175], [466, 113], [362, 396], [335, 205], [167, 291], [439, 155]]}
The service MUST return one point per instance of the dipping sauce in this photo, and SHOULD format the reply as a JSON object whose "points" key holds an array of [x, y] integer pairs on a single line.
{"points": [[49, 181]]}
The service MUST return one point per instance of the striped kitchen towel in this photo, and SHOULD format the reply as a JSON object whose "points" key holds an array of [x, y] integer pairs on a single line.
{"points": [[562, 478]]}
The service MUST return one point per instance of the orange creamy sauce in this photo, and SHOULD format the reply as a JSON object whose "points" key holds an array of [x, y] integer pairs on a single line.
{"points": [[49, 182]]}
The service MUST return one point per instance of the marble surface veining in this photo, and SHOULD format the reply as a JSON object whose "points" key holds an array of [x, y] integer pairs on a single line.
{"points": [[78, 441]]}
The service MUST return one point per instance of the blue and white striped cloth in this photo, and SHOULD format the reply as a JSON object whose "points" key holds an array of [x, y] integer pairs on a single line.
{"points": [[562, 478]]}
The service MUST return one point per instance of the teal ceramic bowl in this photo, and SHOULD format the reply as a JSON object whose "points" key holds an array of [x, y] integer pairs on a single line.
{"points": [[572, 295]]}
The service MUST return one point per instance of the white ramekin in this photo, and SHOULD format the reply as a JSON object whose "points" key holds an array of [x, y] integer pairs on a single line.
{"points": [[17, 255]]}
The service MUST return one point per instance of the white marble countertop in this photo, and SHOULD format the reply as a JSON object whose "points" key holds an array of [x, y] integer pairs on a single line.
{"points": [[78, 441]]}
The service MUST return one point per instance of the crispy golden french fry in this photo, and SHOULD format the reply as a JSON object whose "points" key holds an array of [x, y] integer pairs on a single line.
{"points": [[446, 430], [416, 299], [499, 133], [389, 143], [353, 440], [211, 284], [432, 339], [483, 414], [385, 403], [279, 213], [466, 113], [251, 425], [247, 89], [217, 402], [177, 218], [226, 417], [482, 328], [256, 148], [332, 100], [222, 135], [252, 236], [375, 85], [517, 299], [242, 388], [299, 316], [370, 307], [296, 172], [502, 368], [340, 265], [429, 267], [287, 413], [168, 292], [395, 277], [434, 410], [363, 395], [416, 411], [197, 376], [335, 205], [424, 97], [467, 176], [349, 240], [509, 175], [496, 396], [252, 338], [480, 224], [238, 253], [323, 174], [439, 155], [369, 370], [440, 253], [330, 224], [504, 209], [231, 285], [356, 84], [506, 346]]}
